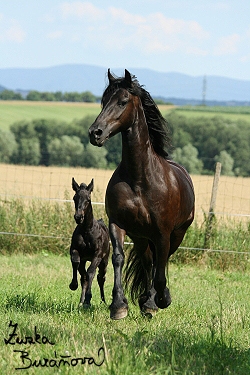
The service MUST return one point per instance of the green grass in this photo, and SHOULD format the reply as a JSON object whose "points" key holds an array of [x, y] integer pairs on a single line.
{"points": [[204, 331], [11, 112], [231, 113]]}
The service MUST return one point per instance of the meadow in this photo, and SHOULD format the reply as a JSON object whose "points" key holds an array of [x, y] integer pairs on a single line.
{"points": [[13, 111], [204, 331]]}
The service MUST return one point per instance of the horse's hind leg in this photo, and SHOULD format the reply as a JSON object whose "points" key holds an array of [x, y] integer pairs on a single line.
{"points": [[147, 299], [119, 305], [75, 261], [101, 276]]}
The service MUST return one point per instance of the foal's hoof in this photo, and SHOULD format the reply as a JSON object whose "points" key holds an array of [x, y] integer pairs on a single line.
{"points": [[117, 314], [73, 286], [84, 306]]}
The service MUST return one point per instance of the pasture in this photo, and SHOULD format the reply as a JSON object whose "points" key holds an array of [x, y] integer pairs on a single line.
{"points": [[204, 331], [13, 111]]}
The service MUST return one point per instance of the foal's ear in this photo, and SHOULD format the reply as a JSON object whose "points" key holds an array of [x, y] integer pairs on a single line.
{"points": [[90, 187], [110, 77], [128, 78], [75, 185]]}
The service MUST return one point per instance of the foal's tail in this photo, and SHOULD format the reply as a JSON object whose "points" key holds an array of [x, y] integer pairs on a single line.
{"points": [[135, 274]]}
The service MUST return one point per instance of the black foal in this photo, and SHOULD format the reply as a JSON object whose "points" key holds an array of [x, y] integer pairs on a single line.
{"points": [[90, 242]]}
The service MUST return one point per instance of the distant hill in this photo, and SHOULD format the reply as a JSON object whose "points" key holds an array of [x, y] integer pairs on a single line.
{"points": [[81, 77], [2, 88]]}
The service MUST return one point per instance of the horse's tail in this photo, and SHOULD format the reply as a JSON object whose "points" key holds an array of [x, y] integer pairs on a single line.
{"points": [[135, 274]]}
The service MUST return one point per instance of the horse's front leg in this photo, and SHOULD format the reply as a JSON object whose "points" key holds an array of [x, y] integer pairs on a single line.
{"points": [[119, 305], [162, 297], [75, 261]]}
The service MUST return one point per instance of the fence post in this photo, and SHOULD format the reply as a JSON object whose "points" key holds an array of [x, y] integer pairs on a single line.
{"points": [[211, 215]]}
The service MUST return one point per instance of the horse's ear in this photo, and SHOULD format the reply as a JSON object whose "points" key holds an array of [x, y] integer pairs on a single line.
{"points": [[128, 78], [90, 187], [75, 185], [110, 77]]}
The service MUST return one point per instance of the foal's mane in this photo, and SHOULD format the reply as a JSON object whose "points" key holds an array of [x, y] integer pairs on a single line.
{"points": [[157, 125]]}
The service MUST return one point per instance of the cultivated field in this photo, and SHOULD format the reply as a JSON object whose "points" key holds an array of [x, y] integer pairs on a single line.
{"points": [[55, 183]]}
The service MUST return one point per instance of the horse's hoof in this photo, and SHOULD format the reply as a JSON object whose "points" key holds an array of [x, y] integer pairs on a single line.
{"points": [[148, 313], [163, 303], [73, 286], [117, 314], [84, 306]]}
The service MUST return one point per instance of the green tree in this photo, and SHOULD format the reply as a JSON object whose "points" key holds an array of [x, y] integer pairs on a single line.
{"points": [[28, 152], [67, 151], [88, 97], [72, 97], [10, 95], [188, 157], [8, 146], [34, 95], [94, 157], [227, 163]]}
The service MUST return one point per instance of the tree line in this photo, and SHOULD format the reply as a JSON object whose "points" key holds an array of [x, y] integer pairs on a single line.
{"points": [[57, 96], [198, 143]]}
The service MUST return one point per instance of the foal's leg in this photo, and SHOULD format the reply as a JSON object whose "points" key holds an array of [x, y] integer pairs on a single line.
{"points": [[90, 276], [119, 305], [84, 282], [75, 261]]}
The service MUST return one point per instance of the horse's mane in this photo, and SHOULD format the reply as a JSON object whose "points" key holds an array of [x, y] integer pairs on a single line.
{"points": [[157, 125]]}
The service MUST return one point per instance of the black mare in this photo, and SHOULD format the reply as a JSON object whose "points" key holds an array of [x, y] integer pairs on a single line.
{"points": [[149, 197], [90, 242]]}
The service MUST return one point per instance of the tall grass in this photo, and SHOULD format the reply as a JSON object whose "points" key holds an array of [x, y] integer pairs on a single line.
{"points": [[41, 226]]}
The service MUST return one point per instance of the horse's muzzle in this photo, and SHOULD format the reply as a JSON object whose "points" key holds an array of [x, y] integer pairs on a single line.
{"points": [[97, 136]]}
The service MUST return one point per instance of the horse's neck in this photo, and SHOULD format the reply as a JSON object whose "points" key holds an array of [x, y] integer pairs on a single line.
{"points": [[137, 152]]}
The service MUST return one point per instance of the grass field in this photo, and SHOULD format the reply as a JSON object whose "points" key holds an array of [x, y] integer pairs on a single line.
{"points": [[233, 114], [12, 111], [204, 332]]}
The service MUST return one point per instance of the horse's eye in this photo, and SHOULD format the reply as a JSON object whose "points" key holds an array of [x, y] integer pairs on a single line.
{"points": [[122, 103]]}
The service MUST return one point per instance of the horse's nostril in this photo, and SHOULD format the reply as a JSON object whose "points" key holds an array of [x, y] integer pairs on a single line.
{"points": [[98, 132]]}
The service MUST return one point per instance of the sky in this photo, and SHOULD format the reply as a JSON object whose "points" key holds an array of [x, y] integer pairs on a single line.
{"points": [[194, 37]]}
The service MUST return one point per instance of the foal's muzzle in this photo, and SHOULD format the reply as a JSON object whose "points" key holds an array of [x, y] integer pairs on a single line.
{"points": [[78, 218]]}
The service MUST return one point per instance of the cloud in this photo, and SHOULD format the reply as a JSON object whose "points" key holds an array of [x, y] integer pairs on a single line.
{"points": [[55, 34], [227, 45], [115, 27], [80, 9], [11, 30]]}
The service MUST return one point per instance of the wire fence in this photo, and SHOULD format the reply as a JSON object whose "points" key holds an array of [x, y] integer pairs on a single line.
{"points": [[54, 184]]}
